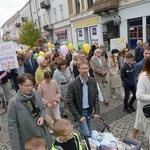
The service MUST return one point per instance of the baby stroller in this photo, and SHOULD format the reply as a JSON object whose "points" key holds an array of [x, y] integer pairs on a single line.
{"points": [[123, 144]]}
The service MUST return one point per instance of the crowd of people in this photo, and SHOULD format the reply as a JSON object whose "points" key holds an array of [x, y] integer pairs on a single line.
{"points": [[54, 83]]}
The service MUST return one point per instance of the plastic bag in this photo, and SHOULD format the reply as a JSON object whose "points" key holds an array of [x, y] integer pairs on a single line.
{"points": [[100, 96]]}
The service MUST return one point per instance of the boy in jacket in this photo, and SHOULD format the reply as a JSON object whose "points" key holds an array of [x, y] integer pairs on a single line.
{"points": [[127, 75], [66, 139]]}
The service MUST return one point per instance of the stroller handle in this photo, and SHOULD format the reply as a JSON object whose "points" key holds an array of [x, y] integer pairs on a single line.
{"points": [[104, 122]]}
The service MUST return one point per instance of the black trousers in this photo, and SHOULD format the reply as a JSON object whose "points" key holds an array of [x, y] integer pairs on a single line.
{"points": [[127, 90]]}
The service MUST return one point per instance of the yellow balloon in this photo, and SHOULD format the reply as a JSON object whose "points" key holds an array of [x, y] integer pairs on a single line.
{"points": [[49, 45], [20, 51], [70, 47], [27, 47], [86, 48], [41, 53]]}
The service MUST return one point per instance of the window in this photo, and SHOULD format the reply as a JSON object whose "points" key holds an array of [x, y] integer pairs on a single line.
{"points": [[55, 16], [77, 6], [44, 19], [61, 11], [90, 3]]}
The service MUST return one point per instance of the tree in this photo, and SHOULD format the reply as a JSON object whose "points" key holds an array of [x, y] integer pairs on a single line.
{"points": [[28, 34]]}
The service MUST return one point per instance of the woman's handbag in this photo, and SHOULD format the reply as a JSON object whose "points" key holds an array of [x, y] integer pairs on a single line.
{"points": [[146, 110]]}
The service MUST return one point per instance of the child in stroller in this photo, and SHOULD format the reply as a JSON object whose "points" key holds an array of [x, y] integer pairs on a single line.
{"points": [[122, 144]]}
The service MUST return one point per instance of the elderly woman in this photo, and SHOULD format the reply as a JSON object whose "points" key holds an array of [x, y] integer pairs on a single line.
{"points": [[48, 57], [26, 114], [115, 79], [75, 58], [39, 74], [62, 76]]}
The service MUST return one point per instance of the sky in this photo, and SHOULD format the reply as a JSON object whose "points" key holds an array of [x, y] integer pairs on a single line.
{"points": [[8, 8]]}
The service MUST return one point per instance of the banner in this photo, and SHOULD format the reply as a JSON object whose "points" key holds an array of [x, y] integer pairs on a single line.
{"points": [[117, 43], [8, 56]]}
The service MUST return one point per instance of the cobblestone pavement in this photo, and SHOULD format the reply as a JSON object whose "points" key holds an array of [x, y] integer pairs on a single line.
{"points": [[121, 124]]}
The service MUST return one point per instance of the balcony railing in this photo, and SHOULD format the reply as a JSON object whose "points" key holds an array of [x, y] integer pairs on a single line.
{"points": [[105, 6], [48, 27], [18, 25], [45, 4], [24, 19]]}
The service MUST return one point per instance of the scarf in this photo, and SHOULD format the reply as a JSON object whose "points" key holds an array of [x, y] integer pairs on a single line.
{"points": [[30, 102]]}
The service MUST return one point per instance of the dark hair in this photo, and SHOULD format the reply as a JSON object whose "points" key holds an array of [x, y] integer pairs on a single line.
{"points": [[26, 76], [146, 67], [114, 51], [82, 62], [20, 57], [56, 55], [129, 55], [147, 48], [60, 63], [48, 74]]}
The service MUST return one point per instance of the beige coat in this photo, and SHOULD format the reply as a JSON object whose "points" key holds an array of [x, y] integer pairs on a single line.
{"points": [[143, 98], [98, 69], [115, 79]]}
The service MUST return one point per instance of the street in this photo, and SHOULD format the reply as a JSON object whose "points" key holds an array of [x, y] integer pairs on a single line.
{"points": [[121, 124]]}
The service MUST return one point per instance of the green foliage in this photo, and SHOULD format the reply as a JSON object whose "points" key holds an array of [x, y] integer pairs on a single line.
{"points": [[28, 34]]}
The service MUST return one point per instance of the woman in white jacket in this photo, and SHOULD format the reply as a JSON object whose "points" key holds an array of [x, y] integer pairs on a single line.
{"points": [[143, 98]]}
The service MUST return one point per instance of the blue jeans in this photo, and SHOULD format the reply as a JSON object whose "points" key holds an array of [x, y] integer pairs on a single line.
{"points": [[86, 127]]}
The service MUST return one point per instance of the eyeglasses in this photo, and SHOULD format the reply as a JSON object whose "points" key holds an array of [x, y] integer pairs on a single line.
{"points": [[68, 134], [44, 66], [27, 86]]}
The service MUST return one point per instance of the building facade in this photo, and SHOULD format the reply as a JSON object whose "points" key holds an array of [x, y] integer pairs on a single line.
{"points": [[60, 21], [84, 24], [134, 20], [135, 23]]}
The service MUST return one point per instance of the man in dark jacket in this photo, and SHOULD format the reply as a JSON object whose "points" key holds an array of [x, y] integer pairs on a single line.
{"points": [[138, 51], [30, 63], [82, 98], [127, 75]]}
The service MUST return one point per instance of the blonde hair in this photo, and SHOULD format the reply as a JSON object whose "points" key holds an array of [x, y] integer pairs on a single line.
{"points": [[138, 42], [35, 142], [60, 126]]}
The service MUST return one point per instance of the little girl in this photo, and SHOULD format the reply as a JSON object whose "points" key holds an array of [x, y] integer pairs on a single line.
{"points": [[50, 93]]}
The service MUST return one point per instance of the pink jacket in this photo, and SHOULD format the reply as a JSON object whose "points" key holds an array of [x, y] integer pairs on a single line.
{"points": [[49, 91]]}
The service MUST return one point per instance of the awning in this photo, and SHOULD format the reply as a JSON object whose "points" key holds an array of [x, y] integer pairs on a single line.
{"points": [[47, 34], [14, 38], [61, 32]]}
